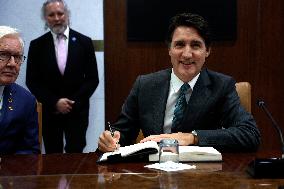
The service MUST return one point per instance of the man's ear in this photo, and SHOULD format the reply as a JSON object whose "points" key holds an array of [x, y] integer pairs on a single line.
{"points": [[208, 51], [169, 51]]}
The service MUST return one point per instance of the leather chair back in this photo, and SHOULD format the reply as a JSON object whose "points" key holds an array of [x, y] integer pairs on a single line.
{"points": [[39, 112]]}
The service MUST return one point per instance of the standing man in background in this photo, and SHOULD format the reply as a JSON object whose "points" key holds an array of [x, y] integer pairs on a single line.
{"points": [[18, 115], [62, 74]]}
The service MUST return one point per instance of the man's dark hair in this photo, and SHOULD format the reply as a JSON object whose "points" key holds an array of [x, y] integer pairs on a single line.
{"points": [[189, 20]]}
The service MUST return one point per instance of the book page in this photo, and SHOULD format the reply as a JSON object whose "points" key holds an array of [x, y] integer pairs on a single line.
{"points": [[126, 150]]}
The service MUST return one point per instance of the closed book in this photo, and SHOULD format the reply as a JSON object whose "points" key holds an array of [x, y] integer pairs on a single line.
{"points": [[194, 154]]}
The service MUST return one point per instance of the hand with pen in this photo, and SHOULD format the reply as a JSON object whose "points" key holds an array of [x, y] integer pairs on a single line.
{"points": [[108, 140]]}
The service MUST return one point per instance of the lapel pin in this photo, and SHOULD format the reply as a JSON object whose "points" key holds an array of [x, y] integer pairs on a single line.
{"points": [[10, 100], [74, 39]]}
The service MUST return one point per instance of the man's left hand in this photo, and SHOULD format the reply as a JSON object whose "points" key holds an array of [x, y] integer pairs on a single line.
{"points": [[184, 139]]}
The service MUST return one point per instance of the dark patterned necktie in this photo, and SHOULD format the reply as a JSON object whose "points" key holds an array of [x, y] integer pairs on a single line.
{"points": [[180, 106]]}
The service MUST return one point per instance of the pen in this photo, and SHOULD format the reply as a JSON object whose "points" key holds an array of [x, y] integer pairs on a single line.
{"points": [[112, 133], [110, 129]]}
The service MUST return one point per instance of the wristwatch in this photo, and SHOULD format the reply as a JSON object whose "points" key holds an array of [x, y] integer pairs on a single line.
{"points": [[195, 140]]}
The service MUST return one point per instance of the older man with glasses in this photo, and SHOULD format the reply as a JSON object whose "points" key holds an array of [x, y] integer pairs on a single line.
{"points": [[18, 115]]}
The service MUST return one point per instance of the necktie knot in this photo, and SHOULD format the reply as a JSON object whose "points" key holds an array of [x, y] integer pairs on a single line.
{"points": [[60, 36], [184, 88]]}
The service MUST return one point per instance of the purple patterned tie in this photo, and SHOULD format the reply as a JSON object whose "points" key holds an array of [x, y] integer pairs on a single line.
{"points": [[61, 52]]}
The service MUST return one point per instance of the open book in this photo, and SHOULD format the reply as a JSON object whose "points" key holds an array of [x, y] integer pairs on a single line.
{"points": [[149, 151], [135, 152], [194, 153]]}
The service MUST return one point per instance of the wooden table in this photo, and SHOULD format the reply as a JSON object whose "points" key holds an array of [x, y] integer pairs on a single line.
{"points": [[82, 171]]}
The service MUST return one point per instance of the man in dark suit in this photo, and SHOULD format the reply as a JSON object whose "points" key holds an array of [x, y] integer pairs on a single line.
{"points": [[62, 74], [189, 103], [18, 116]]}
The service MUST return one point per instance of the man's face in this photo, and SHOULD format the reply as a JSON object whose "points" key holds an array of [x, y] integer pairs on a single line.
{"points": [[56, 17], [188, 52], [9, 70]]}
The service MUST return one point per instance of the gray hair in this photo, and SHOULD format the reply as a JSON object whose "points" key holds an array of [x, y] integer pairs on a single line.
{"points": [[43, 10], [7, 30]]}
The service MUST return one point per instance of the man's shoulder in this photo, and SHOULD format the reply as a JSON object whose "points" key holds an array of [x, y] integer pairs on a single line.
{"points": [[157, 74], [41, 41], [154, 79], [21, 91], [74, 33], [43, 37], [216, 76]]}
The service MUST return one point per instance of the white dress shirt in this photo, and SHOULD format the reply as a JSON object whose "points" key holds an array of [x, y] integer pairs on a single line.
{"points": [[1, 95], [66, 34], [174, 91]]}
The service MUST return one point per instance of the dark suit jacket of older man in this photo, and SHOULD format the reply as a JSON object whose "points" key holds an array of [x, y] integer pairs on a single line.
{"points": [[213, 111], [78, 83], [18, 122]]}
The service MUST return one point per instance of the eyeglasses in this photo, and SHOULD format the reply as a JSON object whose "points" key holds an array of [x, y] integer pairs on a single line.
{"points": [[5, 57]]}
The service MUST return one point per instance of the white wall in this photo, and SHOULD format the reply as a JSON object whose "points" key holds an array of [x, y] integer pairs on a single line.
{"points": [[87, 18]]}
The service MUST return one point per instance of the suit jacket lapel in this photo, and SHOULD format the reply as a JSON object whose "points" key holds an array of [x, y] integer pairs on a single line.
{"points": [[50, 50], [199, 98], [7, 107], [159, 101], [72, 47]]}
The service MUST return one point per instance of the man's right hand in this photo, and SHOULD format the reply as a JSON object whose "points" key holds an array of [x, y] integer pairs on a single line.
{"points": [[64, 105], [107, 143]]}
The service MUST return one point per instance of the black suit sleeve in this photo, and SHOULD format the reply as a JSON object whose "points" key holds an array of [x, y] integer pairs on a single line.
{"points": [[91, 80], [236, 129], [34, 75], [128, 122]]}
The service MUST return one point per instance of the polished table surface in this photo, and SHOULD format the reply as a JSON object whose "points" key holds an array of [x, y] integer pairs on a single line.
{"points": [[82, 171]]}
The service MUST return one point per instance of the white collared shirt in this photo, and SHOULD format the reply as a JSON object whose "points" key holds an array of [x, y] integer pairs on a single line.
{"points": [[1, 96], [66, 34], [174, 91]]}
